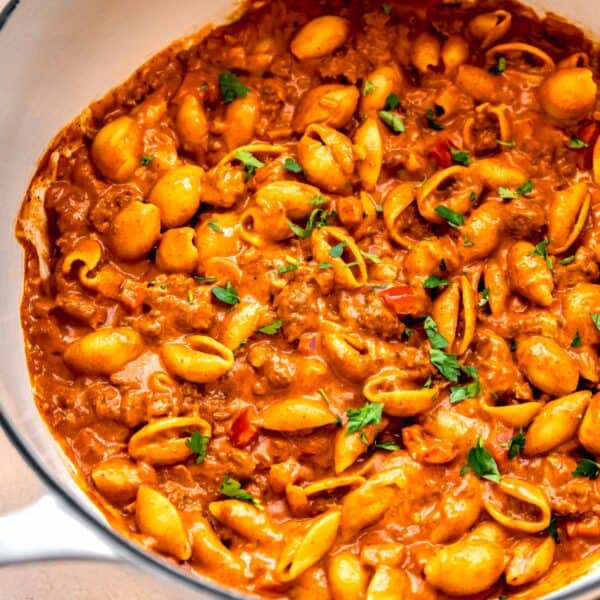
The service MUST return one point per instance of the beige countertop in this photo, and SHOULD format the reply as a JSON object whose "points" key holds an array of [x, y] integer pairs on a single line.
{"points": [[65, 580]]}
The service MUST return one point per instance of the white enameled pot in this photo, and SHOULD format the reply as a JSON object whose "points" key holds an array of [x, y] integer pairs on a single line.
{"points": [[55, 58]]}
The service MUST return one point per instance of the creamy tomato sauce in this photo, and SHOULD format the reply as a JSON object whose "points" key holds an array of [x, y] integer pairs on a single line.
{"points": [[313, 304]]}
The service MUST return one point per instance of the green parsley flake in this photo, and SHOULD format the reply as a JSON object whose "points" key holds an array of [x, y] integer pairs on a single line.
{"points": [[358, 418], [317, 218], [446, 364], [392, 120], [232, 489], [215, 226], [389, 446], [482, 463], [460, 157], [576, 143], [146, 159], [458, 393], [271, 328], [525, 188], [198, 444], [392, 102], [250, 162], [201, 280], [553, 530], [566, 261], [586, 467], [289, 164], [436, 339], [231, 87], [226, 294], [596, 320], [485, 294], [454, 219], [468, 242], [371, 257], [337, 250], [499, 67], [387, 9], [368, 88], [435, 282], [576, 341], [516, 444], [431, 120], [541, 249]]}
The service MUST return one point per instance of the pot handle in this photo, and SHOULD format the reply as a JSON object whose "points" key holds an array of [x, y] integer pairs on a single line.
{"points": [[47, 530]]}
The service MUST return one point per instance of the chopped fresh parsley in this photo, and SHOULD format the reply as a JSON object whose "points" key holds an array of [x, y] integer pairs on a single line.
{"points": [[431, 120], [392, 120], [458, 393], [506, 193], [468, 242], [509, 144], [596, 320], [446, 364], [499, 67], [242, 344], [358, 418], [371, 257], [190, 296], [325, 265], [289, 164], [516, 444], [231, 87], [485, 294], [389, 446], [553, 530], [317, 218], [368, 87], [146, 159], [271, 328], [232, 489], [526, 188], [576, 143], [482, 463], [407, 333], [387, 9], [436, 339], [292, 265], [541, 249], [435, 282], [566, 261], [151, 283], [455, 219], [337, 250], [250, 162], [198, 444], [392, 102], [318, 200], [428, 383], [215, 226], [226, 294], [199, 279], [460, 157], [576, 341], [203, 87], [586, 467]]}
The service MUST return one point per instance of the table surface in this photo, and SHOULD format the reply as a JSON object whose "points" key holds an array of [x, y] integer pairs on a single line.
{"points": [[65, 580]]}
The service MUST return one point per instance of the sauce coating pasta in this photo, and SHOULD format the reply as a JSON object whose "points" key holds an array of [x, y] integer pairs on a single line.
{"points": [[313, 303]]}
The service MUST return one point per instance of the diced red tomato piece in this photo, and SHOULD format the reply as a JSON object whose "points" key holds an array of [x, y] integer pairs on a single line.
{"points": [[403, 300], [440, 152], [242, 430]]}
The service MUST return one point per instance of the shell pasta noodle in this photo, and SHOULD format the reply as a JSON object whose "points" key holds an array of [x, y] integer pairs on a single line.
{"points": [[312, 302]]}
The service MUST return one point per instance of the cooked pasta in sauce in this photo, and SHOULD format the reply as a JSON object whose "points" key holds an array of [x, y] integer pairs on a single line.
{"points": [[313, 303]]}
